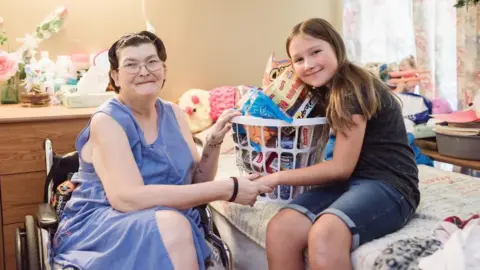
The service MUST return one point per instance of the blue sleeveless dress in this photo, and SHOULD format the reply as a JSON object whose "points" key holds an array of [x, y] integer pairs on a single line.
{"points": [[92, 235]]}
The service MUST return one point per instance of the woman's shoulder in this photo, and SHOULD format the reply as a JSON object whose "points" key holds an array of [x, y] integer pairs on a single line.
{"points": [[113, 112], [169, 104], [171, 108], [112, 105]]}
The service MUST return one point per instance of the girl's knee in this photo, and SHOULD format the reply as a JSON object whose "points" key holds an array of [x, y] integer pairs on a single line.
{"points": [[330, 231], [288, 223], [329, 243]]}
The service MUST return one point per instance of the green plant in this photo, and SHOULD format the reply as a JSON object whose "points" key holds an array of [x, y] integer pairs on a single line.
{"points": [[3, 38], [463, 3], [21, 65]]}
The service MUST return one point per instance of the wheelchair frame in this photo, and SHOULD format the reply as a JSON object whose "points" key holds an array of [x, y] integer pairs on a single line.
{"points": [[33, 254]]}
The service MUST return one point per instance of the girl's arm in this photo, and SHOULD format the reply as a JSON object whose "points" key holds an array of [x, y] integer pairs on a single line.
{"points": [[345, 156], [115, 165]]}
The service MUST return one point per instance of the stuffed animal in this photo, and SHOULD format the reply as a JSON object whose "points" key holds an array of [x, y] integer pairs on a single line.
{"points": [[203, 107], [195, 103], [441, 105]]}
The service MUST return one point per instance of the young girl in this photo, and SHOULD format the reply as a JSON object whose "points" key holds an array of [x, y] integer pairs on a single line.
{"points": [[370, 186]]}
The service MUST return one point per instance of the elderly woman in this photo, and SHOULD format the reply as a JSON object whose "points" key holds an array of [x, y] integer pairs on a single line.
{"points": [[140, 175]]}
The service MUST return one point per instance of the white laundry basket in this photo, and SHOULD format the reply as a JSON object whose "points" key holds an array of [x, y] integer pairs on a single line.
{"points": [[268, 145]]}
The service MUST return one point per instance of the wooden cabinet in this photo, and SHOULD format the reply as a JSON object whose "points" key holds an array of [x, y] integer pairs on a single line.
{"points": [[22, 162]]}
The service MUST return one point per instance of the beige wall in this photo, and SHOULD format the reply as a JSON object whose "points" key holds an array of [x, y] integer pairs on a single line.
{"points": [[209, 42]]}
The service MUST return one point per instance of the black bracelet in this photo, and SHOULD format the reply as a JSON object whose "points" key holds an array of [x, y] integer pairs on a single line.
{"points": [[235, 189]]}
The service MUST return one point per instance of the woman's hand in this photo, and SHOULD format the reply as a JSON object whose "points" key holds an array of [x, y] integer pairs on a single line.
{"points": [[248, 190], [222, 126]]}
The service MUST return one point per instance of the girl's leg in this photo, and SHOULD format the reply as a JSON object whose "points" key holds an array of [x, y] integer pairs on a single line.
{"points": [[329, 244], [287, 235], [176, 233], [287, 232], [369, 209]]}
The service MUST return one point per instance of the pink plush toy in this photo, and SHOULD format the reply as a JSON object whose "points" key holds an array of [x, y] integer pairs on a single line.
{"points": [[222, 98], [440, 106], [204, 107]]}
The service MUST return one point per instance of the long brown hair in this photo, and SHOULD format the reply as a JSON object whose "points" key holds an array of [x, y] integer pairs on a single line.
{"points": [[350, 85]]}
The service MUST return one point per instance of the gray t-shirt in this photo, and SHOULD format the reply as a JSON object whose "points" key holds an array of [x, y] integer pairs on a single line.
{"points": [[386, 154]]}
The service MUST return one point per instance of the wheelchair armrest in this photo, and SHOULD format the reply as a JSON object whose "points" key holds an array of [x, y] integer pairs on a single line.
{"points": [[46, 216], [205, 218]]}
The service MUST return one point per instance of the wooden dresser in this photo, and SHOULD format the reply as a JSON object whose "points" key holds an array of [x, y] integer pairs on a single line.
{"points": [[22, 162]]}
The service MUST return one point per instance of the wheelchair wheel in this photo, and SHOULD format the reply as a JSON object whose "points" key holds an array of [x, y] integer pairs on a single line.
{"points": [[32, 244], [19, 256]]}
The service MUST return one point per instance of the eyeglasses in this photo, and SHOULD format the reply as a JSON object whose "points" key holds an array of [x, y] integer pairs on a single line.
{"points": [[152, 66]]}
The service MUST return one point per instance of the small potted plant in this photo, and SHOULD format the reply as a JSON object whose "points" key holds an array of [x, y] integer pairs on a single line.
{"points": [[34, 94], [13, 65], [9, 77], [35, 97]]}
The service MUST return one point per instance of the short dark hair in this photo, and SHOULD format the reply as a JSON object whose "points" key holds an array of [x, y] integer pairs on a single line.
{"points": [[133, 39]]}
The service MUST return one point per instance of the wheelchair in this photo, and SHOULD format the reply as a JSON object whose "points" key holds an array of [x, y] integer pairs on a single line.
{"points": [[34, 242]]}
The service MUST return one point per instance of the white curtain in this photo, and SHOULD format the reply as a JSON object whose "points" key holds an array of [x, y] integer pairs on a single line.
{"points": [[388, 31], [378, 30], [468, 54], [435, 37]]}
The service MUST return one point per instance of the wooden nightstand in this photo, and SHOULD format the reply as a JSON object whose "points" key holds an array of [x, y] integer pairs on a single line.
{"points": [[22, 162]]}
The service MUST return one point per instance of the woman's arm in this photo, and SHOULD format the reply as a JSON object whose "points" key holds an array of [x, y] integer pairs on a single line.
{"points": [[206, 166], [345, 157], [115, 165]]}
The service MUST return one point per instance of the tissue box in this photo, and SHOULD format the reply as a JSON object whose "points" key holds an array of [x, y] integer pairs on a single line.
{"points": [[86, 100]]}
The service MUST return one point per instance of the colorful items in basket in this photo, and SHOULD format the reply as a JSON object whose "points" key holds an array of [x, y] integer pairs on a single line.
{"points": [[270, 146], [260, 105], [273, 164], [274, 69], [257, 104], [254, 163], [287, 102], [256, 134], [281, 84], [285, 90]]}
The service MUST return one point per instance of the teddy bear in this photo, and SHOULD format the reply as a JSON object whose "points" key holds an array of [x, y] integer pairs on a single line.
{"points": [[203, 107]]}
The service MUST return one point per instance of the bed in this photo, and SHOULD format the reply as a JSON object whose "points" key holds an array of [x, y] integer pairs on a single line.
{"points": [[444, 194]]}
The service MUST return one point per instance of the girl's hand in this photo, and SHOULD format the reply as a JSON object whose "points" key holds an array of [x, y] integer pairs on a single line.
{"points": [[270, 180]]}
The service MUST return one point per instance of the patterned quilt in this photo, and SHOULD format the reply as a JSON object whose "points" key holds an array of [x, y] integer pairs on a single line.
{"points": [[443, 194]]}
